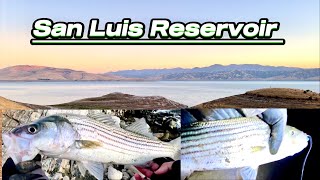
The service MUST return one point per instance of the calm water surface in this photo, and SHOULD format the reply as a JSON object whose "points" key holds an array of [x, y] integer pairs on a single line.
{"points": [[185, 92]]}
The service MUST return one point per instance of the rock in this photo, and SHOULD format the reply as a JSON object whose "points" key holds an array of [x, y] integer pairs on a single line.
{"points": [[57, 176], [65, 166], [125, 176], [114, 174], [66, 178]]}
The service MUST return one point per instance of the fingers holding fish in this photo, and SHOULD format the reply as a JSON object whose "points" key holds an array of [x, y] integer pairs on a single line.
{"points": [[236, 139]]}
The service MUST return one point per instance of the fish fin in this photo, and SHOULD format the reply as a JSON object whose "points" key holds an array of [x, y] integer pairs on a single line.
{"points": [[252, 112], [185, 173], [177, 146], [94, 168], [141, 127], [257, 148], [106, 119], [221, 114], [249, 173], [190, 116], [187, 117], [82, 169], [80, 144]]}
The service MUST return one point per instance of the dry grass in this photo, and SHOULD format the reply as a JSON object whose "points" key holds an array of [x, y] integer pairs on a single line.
{"points": [[285, 93], [268, 98], [8, 104]]}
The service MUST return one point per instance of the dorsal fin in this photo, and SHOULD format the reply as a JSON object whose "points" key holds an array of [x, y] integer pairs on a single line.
{"points": [[252, 112], [191, 116], [141, 127], [187, 117], [106, 118]]}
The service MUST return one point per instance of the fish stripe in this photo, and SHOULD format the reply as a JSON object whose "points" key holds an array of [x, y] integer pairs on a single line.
{"points": [[223, 137], [138, 143], [109, 139]]}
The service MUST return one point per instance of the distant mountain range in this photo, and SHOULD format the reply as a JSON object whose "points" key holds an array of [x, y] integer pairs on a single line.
{"points": [[229, 72], [31, 73], [210, 73]]}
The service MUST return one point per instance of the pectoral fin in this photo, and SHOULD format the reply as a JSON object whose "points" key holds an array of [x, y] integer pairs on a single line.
{"points": [[80, 144], [249, 173], [185, 173], [257, 148], [96, 169]]}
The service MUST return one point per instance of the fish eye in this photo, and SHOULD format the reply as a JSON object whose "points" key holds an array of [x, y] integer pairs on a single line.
{"points": [[292, 133], [32, 129]]}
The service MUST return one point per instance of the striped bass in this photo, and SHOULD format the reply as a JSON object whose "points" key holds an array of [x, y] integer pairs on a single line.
{"points": [[234, 143], [87, 141]]}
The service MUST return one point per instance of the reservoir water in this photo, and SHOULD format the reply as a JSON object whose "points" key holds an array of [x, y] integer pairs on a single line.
{"points": [[186, 92]]}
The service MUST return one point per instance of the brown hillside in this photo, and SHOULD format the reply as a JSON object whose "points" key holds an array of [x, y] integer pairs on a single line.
{"points": [[122, 101], [8, 104], [268, 98]]}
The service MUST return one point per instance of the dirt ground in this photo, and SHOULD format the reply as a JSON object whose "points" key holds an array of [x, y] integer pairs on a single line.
{"points": [[8, 104], [269, 98]]}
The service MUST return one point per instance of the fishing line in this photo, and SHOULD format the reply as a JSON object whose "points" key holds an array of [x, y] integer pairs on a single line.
{"points": [[305, 159]]}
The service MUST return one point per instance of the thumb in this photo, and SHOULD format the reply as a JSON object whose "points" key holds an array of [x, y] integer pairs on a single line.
{"points": [[277, 119], [277, 131], [164, 168]]}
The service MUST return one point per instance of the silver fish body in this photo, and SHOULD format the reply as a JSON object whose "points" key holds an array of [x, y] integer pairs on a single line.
{"points": [[81, 138], [114, 144], [234, 143]]}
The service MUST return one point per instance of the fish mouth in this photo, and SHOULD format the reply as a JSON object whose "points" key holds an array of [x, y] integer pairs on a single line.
{"points": [[18, 148], [8, 142], [5, 139]]}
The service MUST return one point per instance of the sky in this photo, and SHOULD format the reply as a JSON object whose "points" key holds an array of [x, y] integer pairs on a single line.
{"points": [[299, 25]]}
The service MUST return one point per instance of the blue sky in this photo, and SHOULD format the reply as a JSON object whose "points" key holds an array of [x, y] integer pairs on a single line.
{"points": [[295, 16]]}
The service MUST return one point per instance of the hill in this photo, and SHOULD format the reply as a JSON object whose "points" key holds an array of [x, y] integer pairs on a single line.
{"points": [[32, 73], [122, 101], [268, 98], [109, 101], [8, 104], [211, 73], [229, 72]]}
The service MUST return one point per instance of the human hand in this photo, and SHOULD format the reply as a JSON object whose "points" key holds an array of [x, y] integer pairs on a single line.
{"points": [[277, 119], [160, 168], [27, 170]]}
